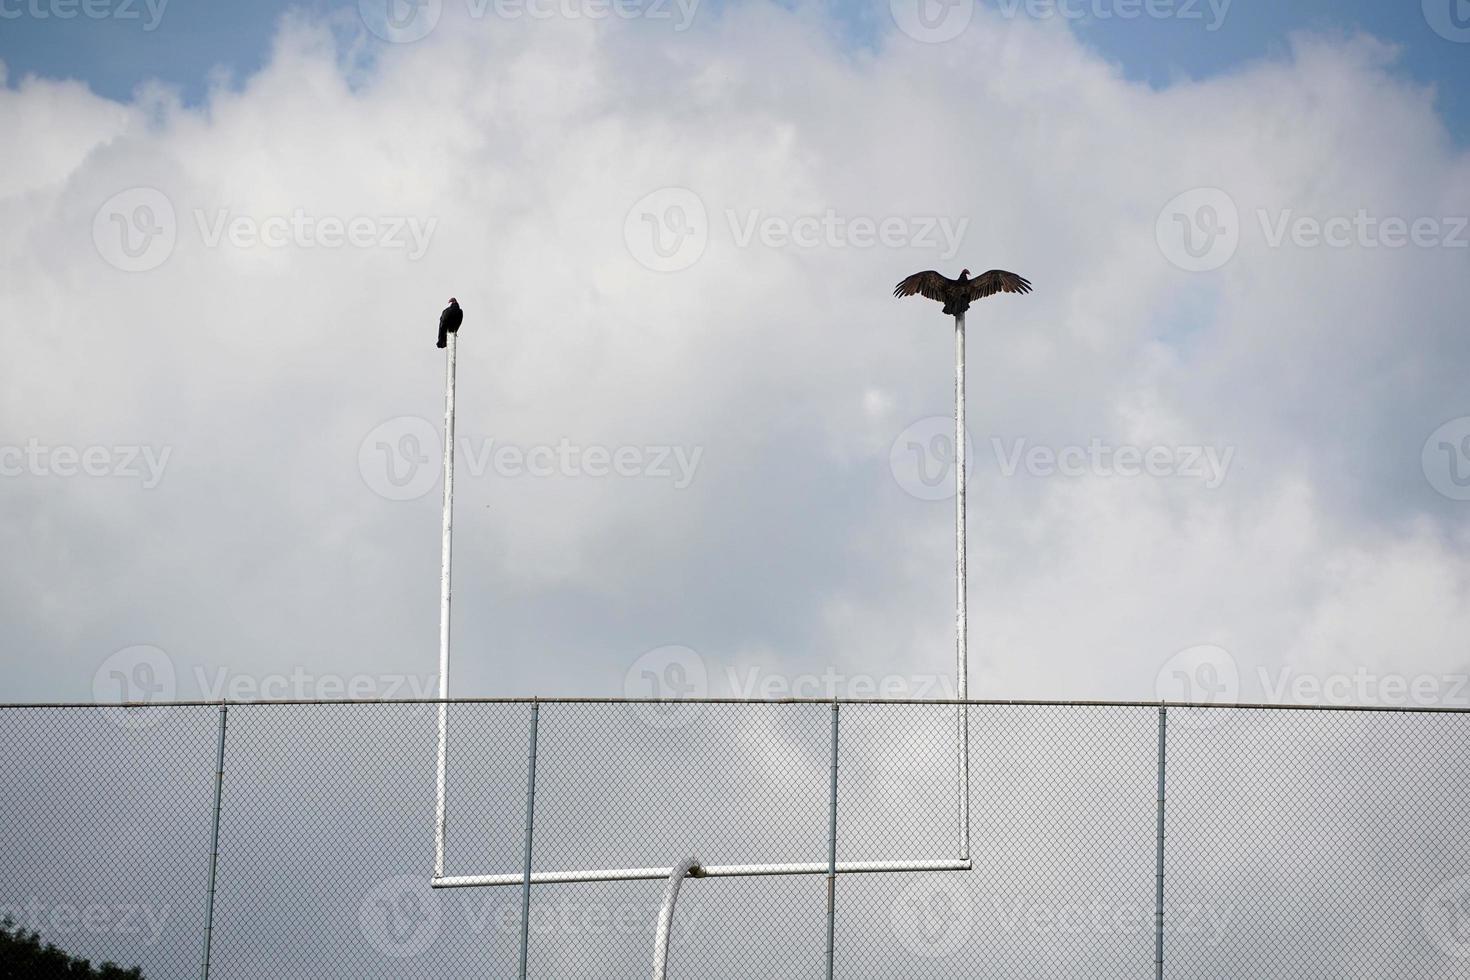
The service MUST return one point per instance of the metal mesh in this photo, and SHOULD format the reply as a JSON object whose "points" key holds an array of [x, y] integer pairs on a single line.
{"points": [[1299, 843]]}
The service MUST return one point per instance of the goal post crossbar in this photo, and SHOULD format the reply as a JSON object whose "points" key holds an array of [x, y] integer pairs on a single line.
{"points": [[706, 871]]}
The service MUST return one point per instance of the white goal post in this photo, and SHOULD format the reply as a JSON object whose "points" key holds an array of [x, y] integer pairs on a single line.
{"points": [[527, 877]]}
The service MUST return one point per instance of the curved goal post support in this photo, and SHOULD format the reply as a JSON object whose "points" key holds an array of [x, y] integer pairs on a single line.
{"points": [[689, 868]]}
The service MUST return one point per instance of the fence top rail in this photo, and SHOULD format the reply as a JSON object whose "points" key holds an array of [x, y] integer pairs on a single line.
{"points": [[928, 702]]}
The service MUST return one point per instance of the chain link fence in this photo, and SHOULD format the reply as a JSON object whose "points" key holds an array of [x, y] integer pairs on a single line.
{"points": [[1299, 843]]}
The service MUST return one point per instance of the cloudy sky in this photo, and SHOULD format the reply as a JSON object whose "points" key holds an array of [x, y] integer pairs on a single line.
{"points": [[1223, 450]]}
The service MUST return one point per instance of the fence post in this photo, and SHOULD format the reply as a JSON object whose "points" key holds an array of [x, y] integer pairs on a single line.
{"points": [[832, 850], [1159, 851], [219, 781], [530, 832]]}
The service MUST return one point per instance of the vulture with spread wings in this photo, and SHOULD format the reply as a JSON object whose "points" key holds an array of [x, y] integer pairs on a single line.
{"points": [[958, 294]]}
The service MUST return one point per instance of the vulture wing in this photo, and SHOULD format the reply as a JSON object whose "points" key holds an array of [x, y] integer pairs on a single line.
{"points": [[996, 281], [929, 284]]}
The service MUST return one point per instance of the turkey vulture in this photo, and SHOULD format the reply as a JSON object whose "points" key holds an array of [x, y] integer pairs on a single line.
{"points": [[450, 320], [957, 294]]}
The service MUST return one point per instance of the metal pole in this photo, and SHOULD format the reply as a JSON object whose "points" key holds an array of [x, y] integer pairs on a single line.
{"points": [[219, 782], [530, 833], [1159, 874], [832, 852], [665, 933], [961, 618], [444, 593]]}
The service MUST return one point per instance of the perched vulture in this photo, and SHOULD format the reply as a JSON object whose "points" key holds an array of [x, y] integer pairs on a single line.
{"points": [[450, 320], [958, 294]]}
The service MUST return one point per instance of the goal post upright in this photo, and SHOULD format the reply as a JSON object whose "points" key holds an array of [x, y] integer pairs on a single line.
{"points": [[831, 868], [446, 548], [961, 619]]}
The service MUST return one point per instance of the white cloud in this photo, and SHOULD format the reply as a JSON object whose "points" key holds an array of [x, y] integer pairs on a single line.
{"points": [[527, 143]]}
